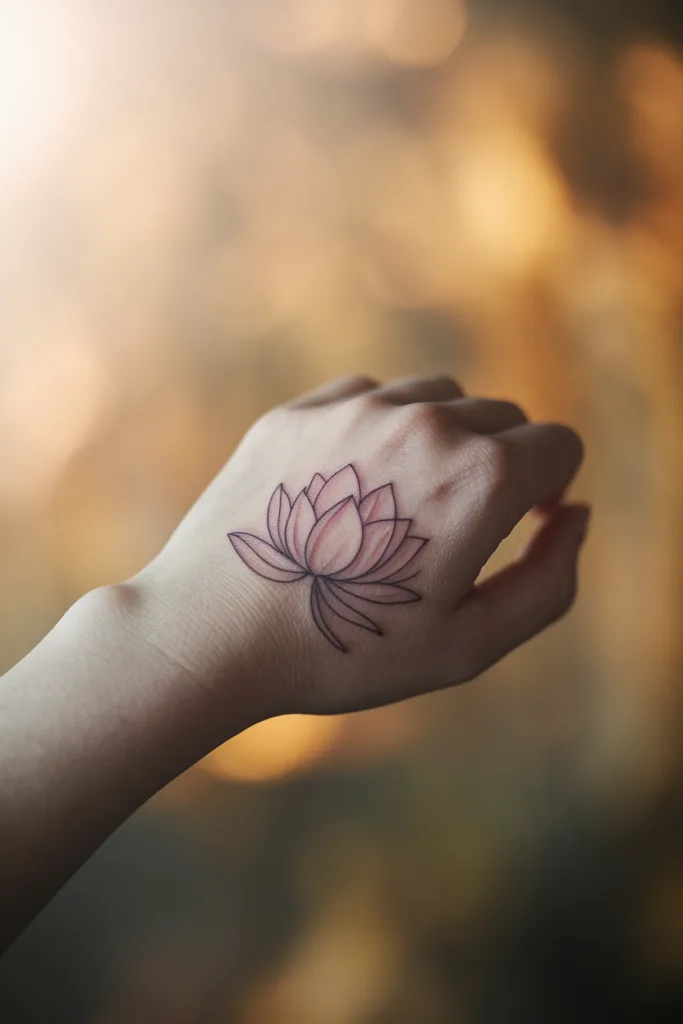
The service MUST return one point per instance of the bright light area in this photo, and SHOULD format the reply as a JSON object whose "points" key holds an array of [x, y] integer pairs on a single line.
{"points": [[41, 79], [52, 396], [274, 749]]}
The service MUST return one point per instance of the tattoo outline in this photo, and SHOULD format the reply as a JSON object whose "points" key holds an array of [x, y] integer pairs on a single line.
{"points": [[355, 548]]}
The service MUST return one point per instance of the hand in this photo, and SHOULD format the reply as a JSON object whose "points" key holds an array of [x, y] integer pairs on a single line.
{"points": [[331, 564]]}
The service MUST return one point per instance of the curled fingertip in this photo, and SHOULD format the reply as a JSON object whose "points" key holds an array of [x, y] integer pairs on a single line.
{"points": [[582, 517]]}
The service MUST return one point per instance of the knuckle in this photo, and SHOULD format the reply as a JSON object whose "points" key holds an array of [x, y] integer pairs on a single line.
{"points": [[369, 396], [431, 418], [493, 458], [423, 427]]}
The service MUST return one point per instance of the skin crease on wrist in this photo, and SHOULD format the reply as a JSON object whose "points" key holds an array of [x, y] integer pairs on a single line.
{"points": [[330, 566]]}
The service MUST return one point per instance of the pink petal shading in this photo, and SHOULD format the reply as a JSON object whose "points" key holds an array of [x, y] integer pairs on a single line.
{"points": [[264, 559], [278, 510], [380, 593], [402, 576], [404, 554], [342, 485], [285, 509], [335, 539], [321, 614], [299, 525], [378, 504], [376, 537], [342, 605], [400, 533], [315, 487]]}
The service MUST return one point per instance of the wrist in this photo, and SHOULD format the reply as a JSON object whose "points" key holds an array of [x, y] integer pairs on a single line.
{"points": [[138, 656], [210, 640]]}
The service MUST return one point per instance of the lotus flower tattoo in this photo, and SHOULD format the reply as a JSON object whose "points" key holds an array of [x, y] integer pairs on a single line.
{"points": [[354, 549]]}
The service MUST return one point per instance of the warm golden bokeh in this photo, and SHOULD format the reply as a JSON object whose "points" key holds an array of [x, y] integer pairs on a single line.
{"points": [[273, 749], [207, 208]]}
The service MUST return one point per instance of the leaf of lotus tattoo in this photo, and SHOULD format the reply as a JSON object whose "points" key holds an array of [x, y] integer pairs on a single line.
{"points": [[353, 550]]}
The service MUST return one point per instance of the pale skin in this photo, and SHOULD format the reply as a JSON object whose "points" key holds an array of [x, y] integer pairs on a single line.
{"points": [[138, 681]]}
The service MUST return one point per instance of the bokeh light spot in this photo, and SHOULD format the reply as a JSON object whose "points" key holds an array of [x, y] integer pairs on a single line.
{"points": [[273, 749]]}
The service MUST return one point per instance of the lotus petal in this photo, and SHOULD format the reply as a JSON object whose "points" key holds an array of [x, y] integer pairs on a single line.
{"points": [[299, 525], [402, 576], [400, 533], [356, 550], [264, 559], [335, 539], [342, 485], [315, 487], [403, 554], [376, 537], [321, 614], [342, 604], [378, 504], [380, 593], [279, 508]]}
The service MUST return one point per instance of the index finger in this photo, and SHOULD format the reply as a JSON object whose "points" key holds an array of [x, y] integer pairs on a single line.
{"points": [[516, 470], [543, 460]]}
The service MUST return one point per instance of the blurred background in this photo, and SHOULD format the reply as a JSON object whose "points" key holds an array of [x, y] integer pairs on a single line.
{"points": [[207, 207]]}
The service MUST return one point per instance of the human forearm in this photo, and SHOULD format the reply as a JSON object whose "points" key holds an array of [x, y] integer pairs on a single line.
{"points": [[92, 722]]}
